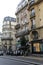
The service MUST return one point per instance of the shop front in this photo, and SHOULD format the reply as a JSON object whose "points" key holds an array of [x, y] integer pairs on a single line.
{"points": [[37, 46]]}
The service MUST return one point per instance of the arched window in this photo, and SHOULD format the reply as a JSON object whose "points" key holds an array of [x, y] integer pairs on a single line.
{"points": [[35, 34]]}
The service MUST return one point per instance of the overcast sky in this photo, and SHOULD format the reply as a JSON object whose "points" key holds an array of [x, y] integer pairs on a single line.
{"points": [[7, 8]]}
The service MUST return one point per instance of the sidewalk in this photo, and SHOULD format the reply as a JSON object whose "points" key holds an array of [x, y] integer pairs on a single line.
{"points": [[34, 57], [37, 55]]}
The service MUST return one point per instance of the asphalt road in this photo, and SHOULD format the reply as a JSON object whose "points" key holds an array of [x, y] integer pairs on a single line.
{"points": [[11, 60]]}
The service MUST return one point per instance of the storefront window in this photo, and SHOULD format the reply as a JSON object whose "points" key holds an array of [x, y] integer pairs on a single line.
{"points": [[36, 47]]}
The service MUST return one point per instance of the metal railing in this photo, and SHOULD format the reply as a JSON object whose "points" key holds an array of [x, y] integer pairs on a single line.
{"points": [[32, 15], [31, 3]]}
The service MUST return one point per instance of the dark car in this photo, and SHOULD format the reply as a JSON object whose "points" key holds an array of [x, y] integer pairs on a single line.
{"points": [[1, 52], [9, 52]]}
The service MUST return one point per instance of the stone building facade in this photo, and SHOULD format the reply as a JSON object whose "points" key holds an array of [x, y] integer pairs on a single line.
{"points": [[8, 30], [29, 17], [35, 9], [22, 20]]}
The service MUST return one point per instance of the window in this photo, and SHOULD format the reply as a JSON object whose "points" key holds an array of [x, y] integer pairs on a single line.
{"points": [[32, 10], [33, 21], [36, 47], [22, 21], [4, 22], [12, 23], [18, 19], [25, 20], [7, 22]]}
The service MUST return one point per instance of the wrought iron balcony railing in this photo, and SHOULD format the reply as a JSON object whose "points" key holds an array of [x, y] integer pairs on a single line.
{"points": [[31, 3], [6, 38], [17, 26], [33, 27], [22, 33]]}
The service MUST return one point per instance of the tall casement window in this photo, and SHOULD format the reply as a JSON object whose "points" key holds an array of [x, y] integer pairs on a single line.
{"points": [[32, 10], [17, 19], [4, 23], [33, 23], [32, 13], [34, 35]]}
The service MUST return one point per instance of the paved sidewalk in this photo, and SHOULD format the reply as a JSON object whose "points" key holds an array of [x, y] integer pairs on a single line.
{"points": [[37, 55], [33, 57]]}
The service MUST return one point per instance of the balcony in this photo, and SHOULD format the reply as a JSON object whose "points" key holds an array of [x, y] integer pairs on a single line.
{"points": [[4, 29], [21, 6], [6, 38], [17, 26], [32, 15], [33, 27], [22, 33], [7, 26], [33, 2]]}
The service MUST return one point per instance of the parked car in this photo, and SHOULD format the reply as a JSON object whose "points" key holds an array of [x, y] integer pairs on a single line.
{"points": [[21, 52], [14, 52], [9, 52], [1, 52], [18, 53]]}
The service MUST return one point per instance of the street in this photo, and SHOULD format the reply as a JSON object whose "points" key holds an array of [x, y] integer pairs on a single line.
{"points": [[15, 60], [10, 62]]}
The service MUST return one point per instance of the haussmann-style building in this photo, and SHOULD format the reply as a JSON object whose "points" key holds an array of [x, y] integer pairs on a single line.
{"points": [[22, 27], [35, 12], [8, 30]]}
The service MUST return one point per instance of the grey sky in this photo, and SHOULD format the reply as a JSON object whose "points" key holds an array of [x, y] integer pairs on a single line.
{"points": [[7, 8]]}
